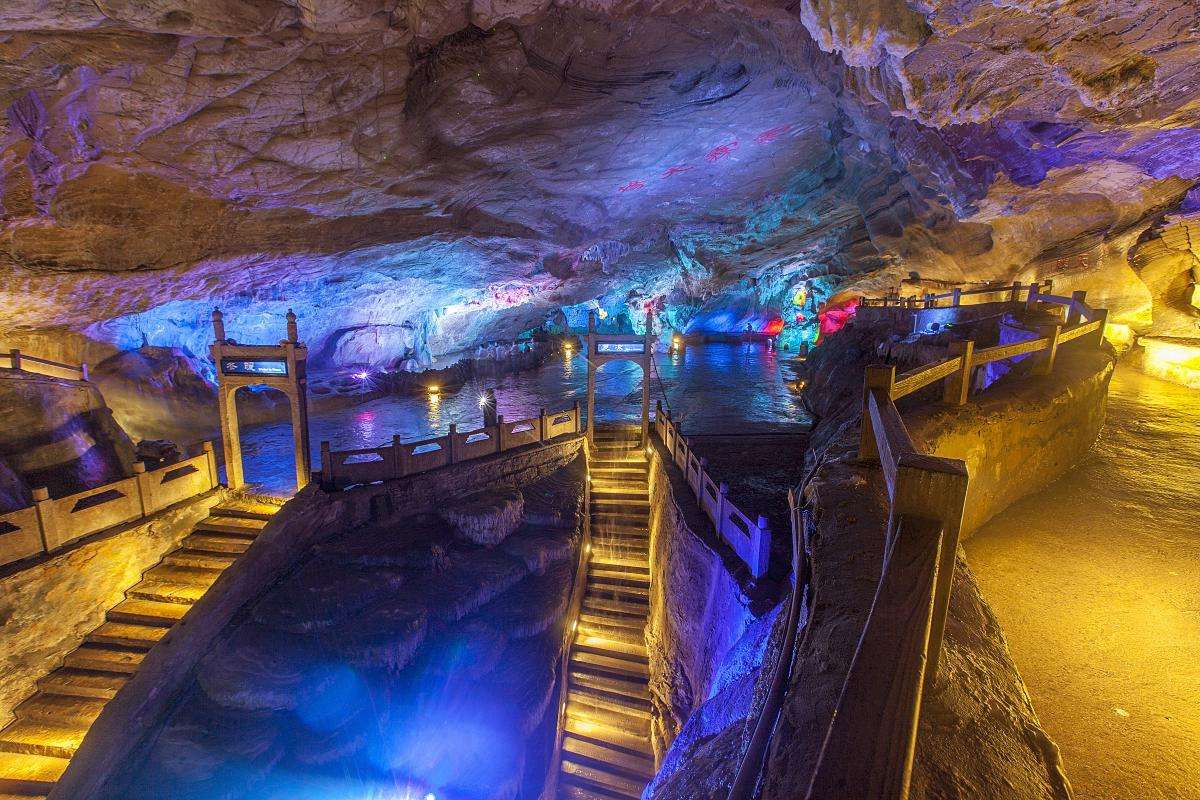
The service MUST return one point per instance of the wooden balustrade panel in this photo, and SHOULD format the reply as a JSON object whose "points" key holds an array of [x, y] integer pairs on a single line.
{"points": [[1079, 330], [919, 378], [20, 536], [868, 750], [1000, 352], [94, 510], [432, 454], [175, 483], [558, 424], [476, 444], [520, 433]]}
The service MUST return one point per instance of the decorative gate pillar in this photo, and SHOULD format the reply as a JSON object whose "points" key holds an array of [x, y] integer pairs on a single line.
{"points": [[280, 366], [605, 347]]}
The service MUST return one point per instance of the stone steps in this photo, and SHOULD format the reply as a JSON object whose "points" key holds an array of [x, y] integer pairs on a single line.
{"points": [[29, 775], [606, 753], [36, 748]]}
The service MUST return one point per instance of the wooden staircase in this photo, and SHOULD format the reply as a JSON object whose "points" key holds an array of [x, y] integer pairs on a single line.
{"points": [[50, 725], [606, 751]]}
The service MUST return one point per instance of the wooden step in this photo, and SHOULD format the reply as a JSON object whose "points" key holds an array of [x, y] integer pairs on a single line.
{"points": [[242, 513], [228, 527], [601, 756], [166, 591], [608, 591], [82, 683], [625, 697], [613, 608], [597, 708], [610, 737], [133, 637], [608, 785], [40, 738], [212, 543], [136, 611], [199, 559], [627, 558], [60, 708], [104, 659], [608, 494], [29, 774], [639, 576], [620, 668], [617, 648], [621, 470], [626, 628]]}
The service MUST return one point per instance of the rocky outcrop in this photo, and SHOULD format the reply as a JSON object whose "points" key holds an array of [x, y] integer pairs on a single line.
{"points": [[59, 434], [418, 179], [486, 518]]}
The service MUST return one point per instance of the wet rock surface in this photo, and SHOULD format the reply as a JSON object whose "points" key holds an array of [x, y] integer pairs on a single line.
{"points": [[486, 518], [396, 656]]}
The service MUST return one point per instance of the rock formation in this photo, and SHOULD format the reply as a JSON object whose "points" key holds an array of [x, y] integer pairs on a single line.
{"points": [[415, 178]]}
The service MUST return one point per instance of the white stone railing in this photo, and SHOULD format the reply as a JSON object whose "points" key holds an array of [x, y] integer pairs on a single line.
{"points": [[344, 468], [954, 297], [749, 538], [51, 524], [15, 359]]}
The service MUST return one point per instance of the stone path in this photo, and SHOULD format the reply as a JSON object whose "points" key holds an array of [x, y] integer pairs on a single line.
{"points": [[606, 749], [1095, 583], [37, 746]]}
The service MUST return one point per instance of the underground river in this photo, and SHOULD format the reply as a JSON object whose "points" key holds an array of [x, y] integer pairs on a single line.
{"points": [[712, 388]]}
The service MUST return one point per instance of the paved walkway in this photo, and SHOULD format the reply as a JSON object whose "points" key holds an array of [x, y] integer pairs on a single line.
{"points": [[1096, 582]]}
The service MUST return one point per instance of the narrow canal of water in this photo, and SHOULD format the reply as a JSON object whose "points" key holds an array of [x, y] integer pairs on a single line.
{"points": [[1096, 585], [714, 388]]}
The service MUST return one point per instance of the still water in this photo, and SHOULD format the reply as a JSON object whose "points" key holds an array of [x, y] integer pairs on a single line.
{"points": [[712, 388]]}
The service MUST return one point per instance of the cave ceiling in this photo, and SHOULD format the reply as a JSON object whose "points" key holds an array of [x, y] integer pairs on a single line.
{"points": [[465, 169]]}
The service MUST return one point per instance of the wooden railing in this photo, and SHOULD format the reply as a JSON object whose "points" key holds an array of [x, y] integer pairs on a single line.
{"points": [[985, 294], [868, 749], [746, 779], [51, 524], [15, 359], [343, 468], [749, 538]]}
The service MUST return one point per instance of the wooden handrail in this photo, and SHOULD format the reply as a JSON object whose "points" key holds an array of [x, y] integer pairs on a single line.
{"points": [[868, 750], [19, 360]]}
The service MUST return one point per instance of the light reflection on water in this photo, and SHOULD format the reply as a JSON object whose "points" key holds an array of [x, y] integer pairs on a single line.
{"points": [[710, 388]]}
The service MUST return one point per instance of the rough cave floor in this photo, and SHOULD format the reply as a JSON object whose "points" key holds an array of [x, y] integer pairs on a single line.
{"points": [[1095, 583]]}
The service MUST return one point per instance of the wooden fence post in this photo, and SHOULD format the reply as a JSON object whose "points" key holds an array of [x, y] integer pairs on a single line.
{"points": [[956, 296], [1098, 336], [760, 552], [1075, 312], [210, 462], [403, 458], [140, 481], [1051, 332], [48, 522], [958, 384], [501, 445], [326, 466], [1032, 300], [14, 356], [877, 377], [577, 421], [454, 455], [543, 425], [1016, 291], [397, 457]]}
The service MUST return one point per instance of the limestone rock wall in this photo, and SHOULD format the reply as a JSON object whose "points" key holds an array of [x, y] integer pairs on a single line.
{"points": [[417, 178], [46, 609], [59, 434]]}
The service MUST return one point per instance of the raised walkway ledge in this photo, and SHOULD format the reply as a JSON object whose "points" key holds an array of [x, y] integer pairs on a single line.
{"points": [[313, 515], [978, 730]]}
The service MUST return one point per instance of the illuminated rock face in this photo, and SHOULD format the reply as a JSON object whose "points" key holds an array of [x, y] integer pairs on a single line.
{"points": [[415, 179]]}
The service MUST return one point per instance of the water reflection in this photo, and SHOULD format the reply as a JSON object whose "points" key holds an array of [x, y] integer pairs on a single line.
{"points": [[710, 388]]}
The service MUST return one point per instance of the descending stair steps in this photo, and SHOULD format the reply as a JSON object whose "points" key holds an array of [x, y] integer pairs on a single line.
{"points": [[606, 753], [37, 746]]}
